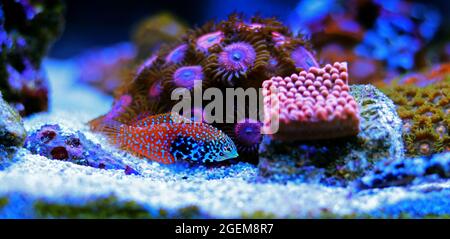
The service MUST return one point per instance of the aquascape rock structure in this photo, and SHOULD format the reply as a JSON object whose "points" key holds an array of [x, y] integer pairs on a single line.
{"points": [[317, 106], [405, 171], [56, 143], [27, 28], [12, 132]]}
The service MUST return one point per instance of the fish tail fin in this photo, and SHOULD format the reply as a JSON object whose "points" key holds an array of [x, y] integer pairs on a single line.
{"points": [[96, 124], [114, 130]]}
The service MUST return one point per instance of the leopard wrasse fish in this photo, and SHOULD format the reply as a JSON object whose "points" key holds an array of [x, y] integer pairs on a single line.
{"points": [[169, 138]]}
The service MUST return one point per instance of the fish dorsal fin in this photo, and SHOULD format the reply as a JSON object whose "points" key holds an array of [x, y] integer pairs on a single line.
{"points": [[145, 120], [139, 121]]}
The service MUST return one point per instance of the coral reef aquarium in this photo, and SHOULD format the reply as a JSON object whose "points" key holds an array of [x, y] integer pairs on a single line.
{"points": [[296, 109]]}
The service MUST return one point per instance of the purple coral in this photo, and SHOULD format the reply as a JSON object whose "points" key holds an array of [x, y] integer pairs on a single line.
{"points": [[279, 39], [52, 142], [247, 135], [155, 90], [251, 27], [27, 28], [303, 58], [32, 86], [237, 57], [208, 40], [187, 76], [147, 64], [177, 55], [119, 106]]}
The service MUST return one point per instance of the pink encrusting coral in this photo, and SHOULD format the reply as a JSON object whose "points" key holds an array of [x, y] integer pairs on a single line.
{"points": [[314, 104]]}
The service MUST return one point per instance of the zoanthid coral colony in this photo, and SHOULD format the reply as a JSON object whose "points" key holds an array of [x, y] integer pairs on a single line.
{"points": [[234, 53], [426, 116]]}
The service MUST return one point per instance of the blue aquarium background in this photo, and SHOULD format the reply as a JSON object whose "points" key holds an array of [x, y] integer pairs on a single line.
{"points": [[116, 19], [63, 65]]}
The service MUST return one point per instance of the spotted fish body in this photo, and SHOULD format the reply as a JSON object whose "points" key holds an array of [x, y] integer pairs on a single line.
{"points": [[167, 139]]}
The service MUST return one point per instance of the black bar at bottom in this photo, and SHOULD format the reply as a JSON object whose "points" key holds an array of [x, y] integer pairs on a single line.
{"points": [[224, 229]]}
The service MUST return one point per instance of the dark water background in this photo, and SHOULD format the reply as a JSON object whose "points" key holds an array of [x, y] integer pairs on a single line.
{"points": [[91, 23]]}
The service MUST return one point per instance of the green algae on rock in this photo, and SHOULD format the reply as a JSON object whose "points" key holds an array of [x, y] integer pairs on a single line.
{"points": [[258, 215], [3, 202], [12, 132], [110, 208], [339, 161]]}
